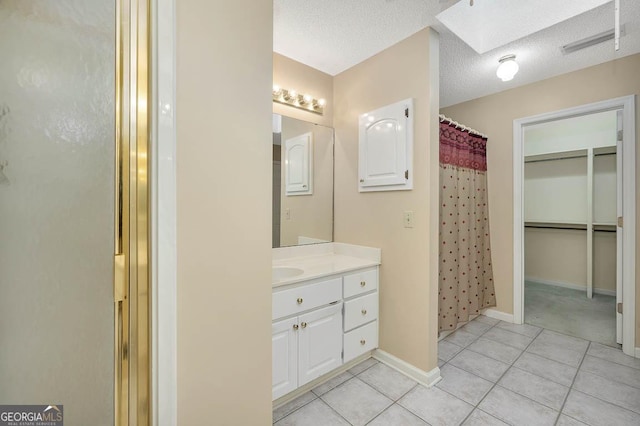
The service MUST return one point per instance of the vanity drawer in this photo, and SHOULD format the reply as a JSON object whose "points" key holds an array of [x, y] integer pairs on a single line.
{"points": [[360, 311], [360, 282], [360, 340], [305, 297]]}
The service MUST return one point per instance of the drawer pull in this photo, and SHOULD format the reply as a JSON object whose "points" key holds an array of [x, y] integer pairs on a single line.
{"points": [[303, 325], [295, 326], [363, 283], [299, 300], [364, 312], [362, 342]]}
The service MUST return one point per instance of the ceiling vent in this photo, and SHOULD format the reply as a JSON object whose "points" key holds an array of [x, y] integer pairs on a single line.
{"points": [[591, 41]]}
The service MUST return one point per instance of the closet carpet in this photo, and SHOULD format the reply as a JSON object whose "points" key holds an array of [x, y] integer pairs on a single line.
{"points": [[571, 312]]}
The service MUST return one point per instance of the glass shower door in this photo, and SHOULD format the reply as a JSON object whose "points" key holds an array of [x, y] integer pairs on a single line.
{"points": [[57, 121]]}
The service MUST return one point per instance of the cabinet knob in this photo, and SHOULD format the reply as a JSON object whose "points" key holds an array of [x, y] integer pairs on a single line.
{"points": [[362, 342], [364, 312], [295, 326], [361, 180], [363, 283], [299, 300], [303, 325]]}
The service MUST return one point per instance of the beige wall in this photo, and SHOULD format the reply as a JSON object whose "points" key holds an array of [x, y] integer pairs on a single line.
{"points": [[560, 255], [309, 215], [408, 275], [224, 214], [494, 116], [290, 74]]}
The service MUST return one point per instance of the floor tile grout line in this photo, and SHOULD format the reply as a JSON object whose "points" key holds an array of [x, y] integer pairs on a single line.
{"points": [[395, 402], [377, 390], [551, 359], [607, 359], [507, 344], [413, 412], [324, 393], [499, 360], [541, 377], [570, 388], [477, 406], [609, 378], [303, 405], [343, 383], [330, 389], [334, 410], [597, 397], [573, 382], [606, 402]]}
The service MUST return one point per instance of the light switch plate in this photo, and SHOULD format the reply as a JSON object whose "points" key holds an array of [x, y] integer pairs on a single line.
{"points": [[408, 219]]}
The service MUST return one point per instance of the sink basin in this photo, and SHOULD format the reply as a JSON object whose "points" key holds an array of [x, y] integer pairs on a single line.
{"points": [[283, 272]]}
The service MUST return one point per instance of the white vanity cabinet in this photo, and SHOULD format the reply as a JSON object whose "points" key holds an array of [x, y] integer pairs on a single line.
{"points": [[360, 313], [320, 324], [305, 347], [308, 343]]}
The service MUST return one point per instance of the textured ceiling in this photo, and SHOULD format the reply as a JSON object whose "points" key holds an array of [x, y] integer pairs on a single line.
{"points": [[334, 35], [510, 20]]}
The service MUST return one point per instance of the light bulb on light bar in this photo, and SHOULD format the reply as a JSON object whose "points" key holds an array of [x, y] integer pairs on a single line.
{"points": [[277, 90], [306, 100], [508, 68]]}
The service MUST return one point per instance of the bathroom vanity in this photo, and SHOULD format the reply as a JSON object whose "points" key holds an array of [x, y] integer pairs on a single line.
{"points": [[325, 310]]}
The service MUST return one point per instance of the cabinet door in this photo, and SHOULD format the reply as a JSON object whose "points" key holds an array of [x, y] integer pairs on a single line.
{"points": [[319, 343], [298, 160], [284, 346], [385, 145]]}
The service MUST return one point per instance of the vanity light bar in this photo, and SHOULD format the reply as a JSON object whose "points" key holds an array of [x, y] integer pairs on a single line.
{"points": [[303, 101]]}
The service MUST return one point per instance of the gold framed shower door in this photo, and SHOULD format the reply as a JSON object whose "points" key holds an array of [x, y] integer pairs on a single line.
{"points": [[132, 286]]}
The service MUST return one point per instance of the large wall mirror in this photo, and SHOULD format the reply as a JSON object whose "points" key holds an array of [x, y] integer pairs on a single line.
{"points": [[302, 182]]}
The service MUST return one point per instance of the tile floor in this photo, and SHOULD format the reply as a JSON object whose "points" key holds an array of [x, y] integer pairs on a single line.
{"points": [[493, 373]]}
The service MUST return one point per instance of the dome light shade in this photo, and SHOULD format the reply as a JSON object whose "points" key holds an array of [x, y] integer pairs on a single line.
{"points": [[508, 68]]}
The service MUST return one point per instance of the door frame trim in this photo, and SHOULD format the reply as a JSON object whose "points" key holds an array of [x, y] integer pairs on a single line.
{"points": [[627, 105], [164, 315]]}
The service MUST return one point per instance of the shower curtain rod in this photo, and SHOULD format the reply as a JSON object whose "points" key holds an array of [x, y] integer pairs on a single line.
{"points": [[462, 127]]}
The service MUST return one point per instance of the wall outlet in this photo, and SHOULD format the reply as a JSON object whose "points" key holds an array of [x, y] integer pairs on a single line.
{"points": [[408, 219]]}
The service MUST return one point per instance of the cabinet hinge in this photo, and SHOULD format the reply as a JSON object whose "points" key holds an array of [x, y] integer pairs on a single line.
{"points": [[406, 112], [619, 308], [406, 174], [620, 221], [620, 135]]}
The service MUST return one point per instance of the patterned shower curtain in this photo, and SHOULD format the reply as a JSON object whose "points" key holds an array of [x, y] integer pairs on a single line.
{"points": [[465, 276]]}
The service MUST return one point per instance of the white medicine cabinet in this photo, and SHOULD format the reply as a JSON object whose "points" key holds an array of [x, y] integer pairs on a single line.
{"points": [[386, 148]]}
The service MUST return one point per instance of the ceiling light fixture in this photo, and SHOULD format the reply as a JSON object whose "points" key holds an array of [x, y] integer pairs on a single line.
{"points": [[508, 67], [303, 101]]}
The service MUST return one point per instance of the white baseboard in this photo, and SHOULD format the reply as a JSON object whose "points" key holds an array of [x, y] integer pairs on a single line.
{"points": [[502, 316], [637, 353], [427, 378], [571, 286]]}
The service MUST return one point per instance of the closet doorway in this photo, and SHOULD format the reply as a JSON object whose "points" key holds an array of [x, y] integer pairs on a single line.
{"points": [[574, 269]]}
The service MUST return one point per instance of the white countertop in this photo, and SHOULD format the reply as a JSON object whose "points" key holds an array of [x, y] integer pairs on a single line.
{"points": [[322, 260]]}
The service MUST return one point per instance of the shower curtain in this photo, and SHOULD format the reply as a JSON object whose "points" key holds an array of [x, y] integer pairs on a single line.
{"points": [[465, 275]]}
